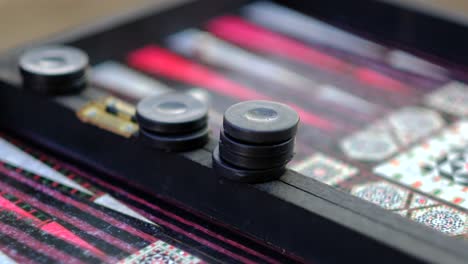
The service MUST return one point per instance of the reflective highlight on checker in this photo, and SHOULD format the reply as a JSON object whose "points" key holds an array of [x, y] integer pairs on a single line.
{"points": [[54, 69], [173, 122]]}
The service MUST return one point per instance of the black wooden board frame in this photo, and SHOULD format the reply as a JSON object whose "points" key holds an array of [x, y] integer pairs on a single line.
{"points": [[314, 221]]}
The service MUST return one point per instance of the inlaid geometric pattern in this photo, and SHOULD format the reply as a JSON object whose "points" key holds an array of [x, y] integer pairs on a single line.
{"points": [[437, 167], [399, 129], [160, 252], [384, 194], [442, 218], [418, 201], [413, 123], [325, 169], [369, 146], [452, 98], [452, 165]]}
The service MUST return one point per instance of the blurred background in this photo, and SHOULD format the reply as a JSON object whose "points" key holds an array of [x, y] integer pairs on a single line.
{"points": [[25, 20]]}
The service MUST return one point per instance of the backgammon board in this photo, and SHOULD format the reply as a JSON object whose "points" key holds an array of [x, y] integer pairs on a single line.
{"points": [[380, 170]]}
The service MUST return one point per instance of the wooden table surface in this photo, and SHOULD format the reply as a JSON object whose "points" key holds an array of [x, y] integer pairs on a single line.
{"points": [[454, 10], [25, 20]]}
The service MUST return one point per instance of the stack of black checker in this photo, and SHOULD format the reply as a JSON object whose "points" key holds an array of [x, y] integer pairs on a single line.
{"points": [[54, 70], [257, 141], [173, 122]]}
